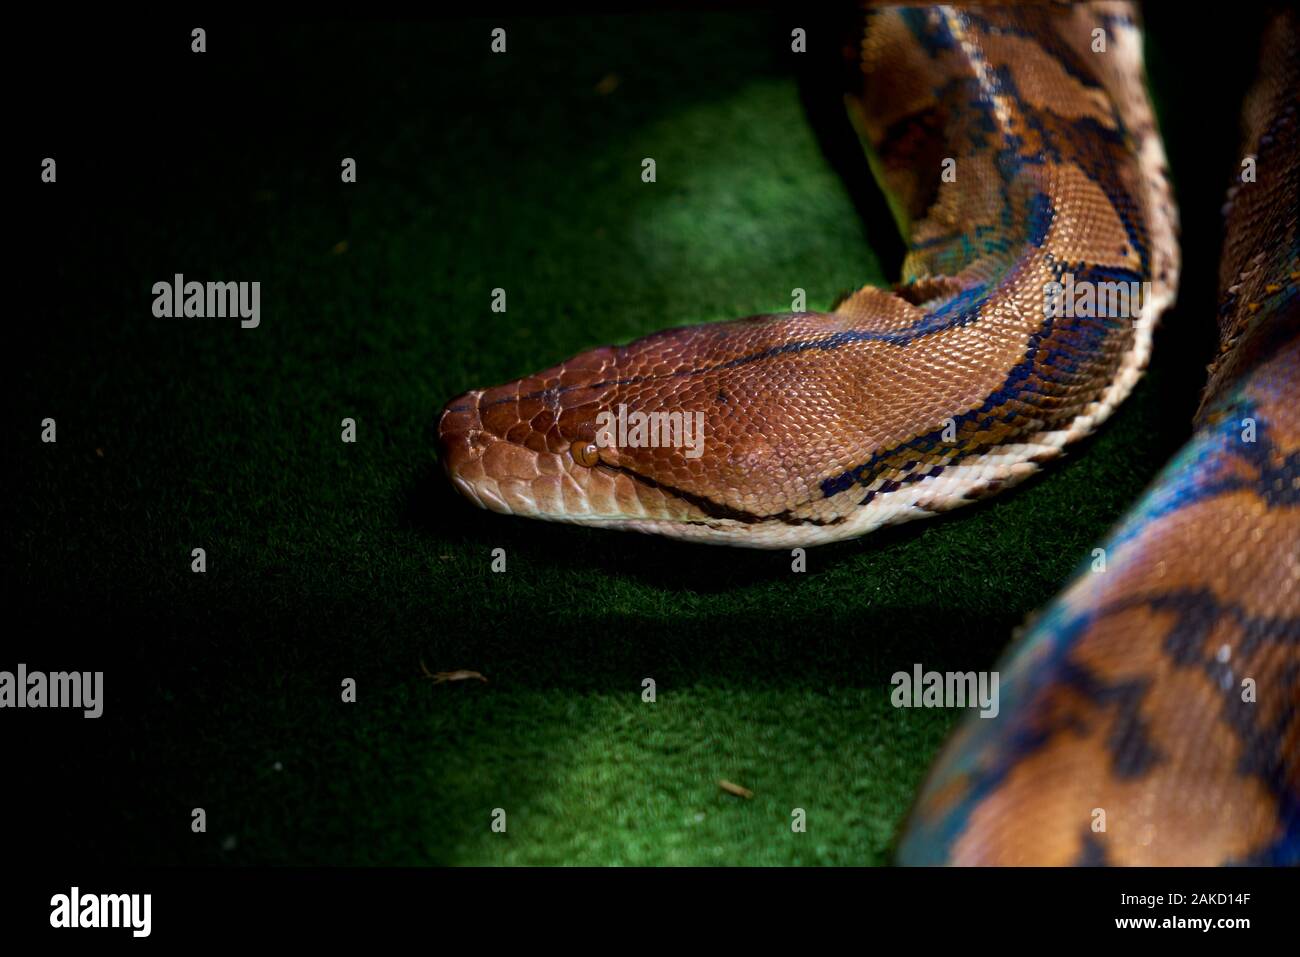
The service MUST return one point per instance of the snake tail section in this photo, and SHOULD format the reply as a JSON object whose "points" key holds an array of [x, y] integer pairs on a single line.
{"points": [[1151, 714]]}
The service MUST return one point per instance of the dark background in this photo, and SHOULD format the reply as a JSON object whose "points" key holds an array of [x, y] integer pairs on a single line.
{"points": [[328, 561]]}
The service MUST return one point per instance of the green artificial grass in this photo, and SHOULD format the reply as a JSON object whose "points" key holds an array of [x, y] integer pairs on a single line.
{"points": [[329, 561]]}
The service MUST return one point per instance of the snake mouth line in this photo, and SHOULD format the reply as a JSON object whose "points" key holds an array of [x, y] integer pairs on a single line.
{"points": [[717, 510]]}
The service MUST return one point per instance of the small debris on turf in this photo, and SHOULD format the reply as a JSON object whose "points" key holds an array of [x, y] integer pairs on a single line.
{"points": [[443, 676], [735, 789], [608, 84]]}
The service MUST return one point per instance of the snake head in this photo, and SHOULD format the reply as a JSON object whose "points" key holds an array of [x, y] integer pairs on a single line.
{"points": [[536, 448], [737, 433], [682, 433]]}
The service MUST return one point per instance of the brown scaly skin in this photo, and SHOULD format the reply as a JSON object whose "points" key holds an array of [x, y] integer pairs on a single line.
{"points": [[896, 405], [1164, 692]]}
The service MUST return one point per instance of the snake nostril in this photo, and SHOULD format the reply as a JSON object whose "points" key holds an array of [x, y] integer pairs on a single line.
{"points": [[461, 414], [458, 433]]}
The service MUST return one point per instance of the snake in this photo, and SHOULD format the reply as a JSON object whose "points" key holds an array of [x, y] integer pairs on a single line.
{"points": [[1150, 714]]}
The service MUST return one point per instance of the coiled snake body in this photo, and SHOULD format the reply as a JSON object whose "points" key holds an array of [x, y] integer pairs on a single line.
{"points": [[1020, 153]]}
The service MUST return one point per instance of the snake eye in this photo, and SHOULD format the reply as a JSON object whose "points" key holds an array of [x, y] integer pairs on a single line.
{"points": [[584, 453]]}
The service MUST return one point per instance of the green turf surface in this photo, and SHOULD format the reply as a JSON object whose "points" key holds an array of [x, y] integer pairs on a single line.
{"points": [[329, 561]]}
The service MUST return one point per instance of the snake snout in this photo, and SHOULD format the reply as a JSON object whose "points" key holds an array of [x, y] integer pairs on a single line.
{"points": [[527, 448], [461, 443], [492, 456], [505, 456]]}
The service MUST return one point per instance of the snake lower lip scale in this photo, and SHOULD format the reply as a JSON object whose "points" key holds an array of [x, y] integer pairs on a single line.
{"points": [[1161, 697]]}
